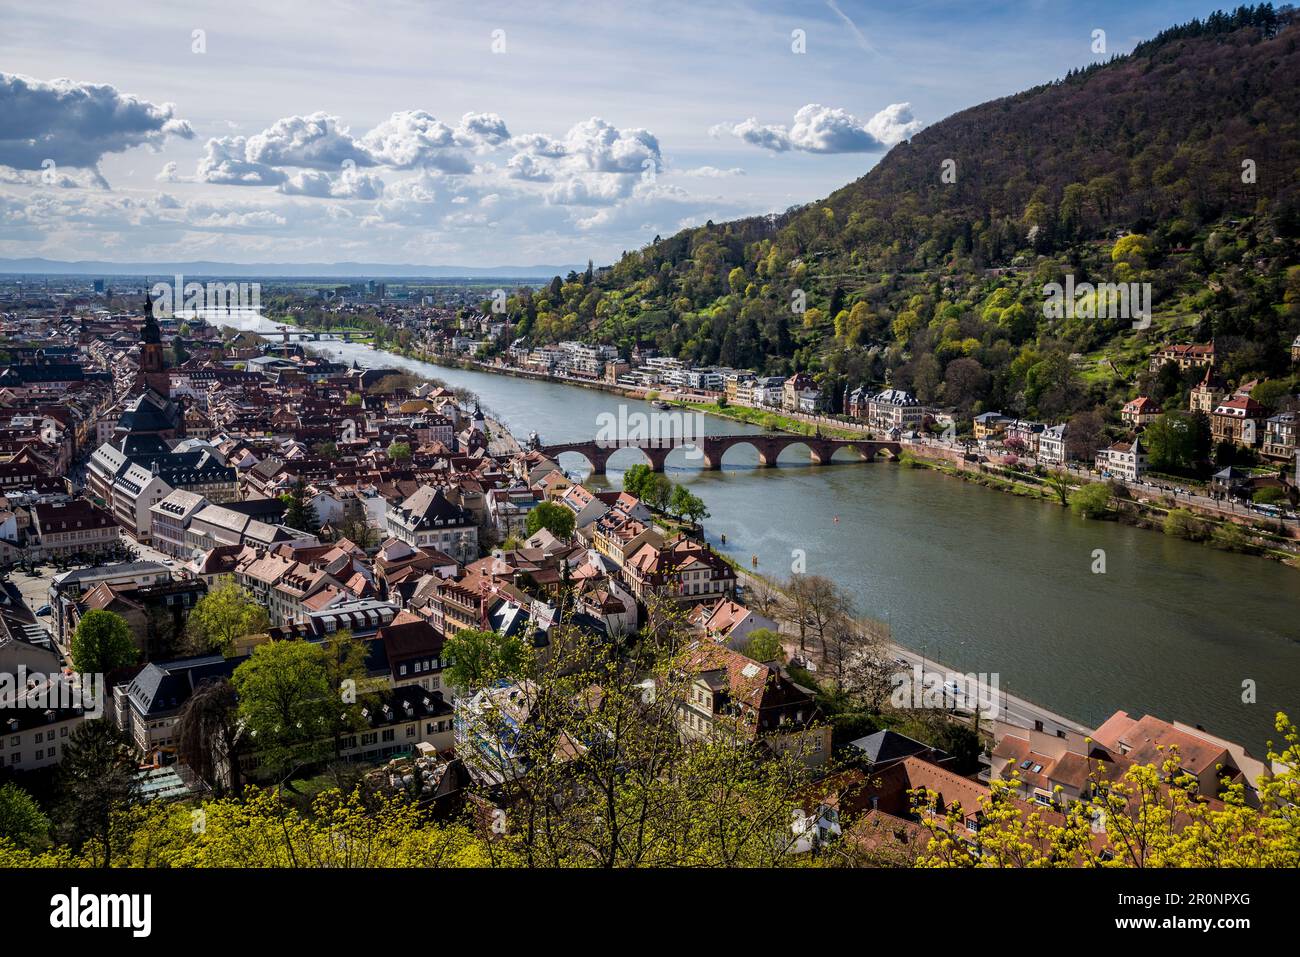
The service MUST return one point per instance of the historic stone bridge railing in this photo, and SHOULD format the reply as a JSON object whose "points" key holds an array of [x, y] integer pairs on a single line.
{"points": [[712, 448]]}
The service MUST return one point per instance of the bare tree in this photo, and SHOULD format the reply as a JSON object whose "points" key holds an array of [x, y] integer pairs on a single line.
{"points": [[762, 597], [818, 603]]}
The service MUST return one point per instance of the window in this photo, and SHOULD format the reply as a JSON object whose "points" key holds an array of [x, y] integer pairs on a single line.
{"points": [[389, 735]]}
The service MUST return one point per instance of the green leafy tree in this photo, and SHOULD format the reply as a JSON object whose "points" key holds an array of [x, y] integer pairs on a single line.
{"points": [[553, 517], [289, 703], [479, 658], [1171, 442], [400, 452], [1058, 480], [686, 504], [102, 643], [764, 644], [1091, 500], [21, 818], [224, 614], [637, 479], [1183, 523], [658, 492]]}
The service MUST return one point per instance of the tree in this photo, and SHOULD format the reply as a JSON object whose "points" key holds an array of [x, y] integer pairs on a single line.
{"points": [[1058, 480], [765, 599], [1171, 442], [636, 480], [818, 602], [353, 399], [686, 504], [21, 818], [399, 452], [224, 614], [1151, 816], [97, 778], [288, 704], [764, 644], [553, 517], [299, 512], [481, 657], [102, 643], [326, 450], [1183, 523], [658, 492], [1083, 435], [209, 731], [1091, 500], [354, 525]]}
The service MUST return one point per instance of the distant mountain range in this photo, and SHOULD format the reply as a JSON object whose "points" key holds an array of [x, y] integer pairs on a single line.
{"points": [[345, 270]]}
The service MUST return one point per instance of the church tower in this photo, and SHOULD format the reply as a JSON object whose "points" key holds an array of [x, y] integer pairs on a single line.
{"points": [[153, 361]]}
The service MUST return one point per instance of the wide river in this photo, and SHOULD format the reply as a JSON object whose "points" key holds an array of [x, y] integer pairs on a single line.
{"points": [[979, 580]]}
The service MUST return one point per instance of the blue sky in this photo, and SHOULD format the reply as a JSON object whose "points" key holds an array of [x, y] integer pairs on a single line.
{"points": [[481, 133]]}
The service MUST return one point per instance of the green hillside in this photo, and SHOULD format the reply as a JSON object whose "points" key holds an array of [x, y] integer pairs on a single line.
{"points": [[1176, 166]]}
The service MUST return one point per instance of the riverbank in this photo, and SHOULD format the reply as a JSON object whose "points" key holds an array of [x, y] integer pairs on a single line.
{"points": [[1138, 509]]}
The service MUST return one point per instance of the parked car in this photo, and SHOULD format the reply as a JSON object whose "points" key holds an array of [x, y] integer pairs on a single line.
{"points": [[44, 610]]}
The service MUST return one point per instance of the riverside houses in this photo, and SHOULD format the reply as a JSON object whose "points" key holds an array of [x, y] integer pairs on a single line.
{"points": [[894, 409], [1051, 445], [1124, 460]]}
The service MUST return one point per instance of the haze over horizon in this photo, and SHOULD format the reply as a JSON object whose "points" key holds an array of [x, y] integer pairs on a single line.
{"points": [[485, 137]]}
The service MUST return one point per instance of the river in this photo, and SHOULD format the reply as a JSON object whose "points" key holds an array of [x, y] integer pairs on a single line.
{"points": [[977, 579]]}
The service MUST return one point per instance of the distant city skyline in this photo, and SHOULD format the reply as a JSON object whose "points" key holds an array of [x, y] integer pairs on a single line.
{"points": [[483, 136]]}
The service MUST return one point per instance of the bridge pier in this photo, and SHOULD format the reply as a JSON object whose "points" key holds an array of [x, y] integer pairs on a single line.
{"points": [[657, 457]]}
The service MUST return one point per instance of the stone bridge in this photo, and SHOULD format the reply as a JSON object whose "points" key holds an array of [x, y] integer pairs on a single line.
{"points": [[769, 447], [308, 335]]}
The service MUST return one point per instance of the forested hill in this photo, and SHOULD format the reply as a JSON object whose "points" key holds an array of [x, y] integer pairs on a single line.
{"points": [[1191, 144]]}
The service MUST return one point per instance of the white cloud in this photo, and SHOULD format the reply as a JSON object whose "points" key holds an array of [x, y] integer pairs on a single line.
{"points": [[414, 138], [350, 184], [825, 129], [317, 141], [894, 124], [76, 124], [712, 172], [225, 162]]}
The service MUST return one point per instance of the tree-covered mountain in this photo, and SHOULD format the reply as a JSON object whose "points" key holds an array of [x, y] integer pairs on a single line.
{"points": [[1176, 165]]}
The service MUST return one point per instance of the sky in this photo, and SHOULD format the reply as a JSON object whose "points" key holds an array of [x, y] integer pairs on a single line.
{"points": [[482, 134]]}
